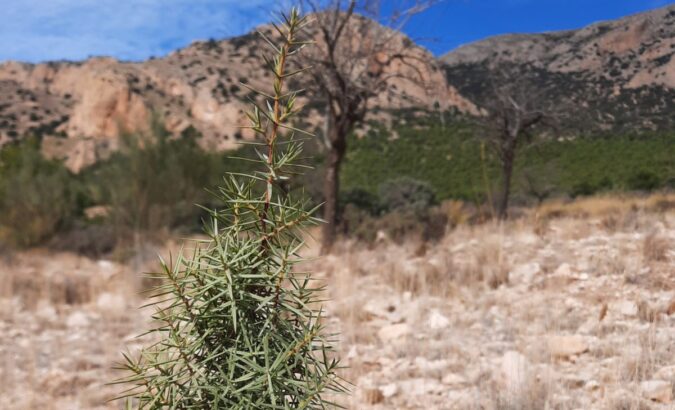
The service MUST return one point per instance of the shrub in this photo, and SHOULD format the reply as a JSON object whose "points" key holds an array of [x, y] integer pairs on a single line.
{"points": [[358, 223], [406, 194], [402, 210], [153, 182], [398, 225], [539, 184], [239, 330], [644, 181], [584, 188], [37, 196], [361, 199], [91, 240]]}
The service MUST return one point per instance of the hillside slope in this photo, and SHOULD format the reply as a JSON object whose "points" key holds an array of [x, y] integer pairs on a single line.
{"points": [[612, 76], [616, 75], [82, 107]]}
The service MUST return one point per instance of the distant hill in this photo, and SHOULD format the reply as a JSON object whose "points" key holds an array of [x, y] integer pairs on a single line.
{"points": [[615, 75], [82, 107], [620, 75]]}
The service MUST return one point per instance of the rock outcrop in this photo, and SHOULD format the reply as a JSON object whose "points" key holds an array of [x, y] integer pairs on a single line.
{"points": [[81, 108], [618, 75]]}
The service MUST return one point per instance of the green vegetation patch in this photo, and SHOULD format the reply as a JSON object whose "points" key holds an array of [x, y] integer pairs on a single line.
{"points": [[450, 160]]}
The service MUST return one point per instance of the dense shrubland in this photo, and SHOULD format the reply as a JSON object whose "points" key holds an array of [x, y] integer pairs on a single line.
{"points": [[155, 186], [146, 188], [450, 161], [403, 185], [38, 197]]}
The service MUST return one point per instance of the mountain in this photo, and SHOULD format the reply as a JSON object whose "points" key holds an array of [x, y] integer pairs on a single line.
{"points": [[615, 75], [81, 108], [610, 76]]}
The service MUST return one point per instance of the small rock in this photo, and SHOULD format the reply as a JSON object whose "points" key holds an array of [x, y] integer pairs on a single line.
{"points": [[353, 353], [47, 312], [381, 236], [525, 273], [588, 326], [422, 386], [627, 308], [437, 320], [107, 269], [514, 371], [666, 373], [393, 333], [389, 390], [111, 302], [463, 399], [563, 270], [425, 365], [618, 398], [566, 346], [592, 385], [452, 379], [657, 390], [574, 381], [379, 308], [77, 319]]}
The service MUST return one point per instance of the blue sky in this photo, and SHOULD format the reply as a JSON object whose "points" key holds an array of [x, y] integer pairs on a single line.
{"points": [[38, 30]]}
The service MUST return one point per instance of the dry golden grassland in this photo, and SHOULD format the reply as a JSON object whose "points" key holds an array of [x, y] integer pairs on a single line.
{"points": [[571, 306]]}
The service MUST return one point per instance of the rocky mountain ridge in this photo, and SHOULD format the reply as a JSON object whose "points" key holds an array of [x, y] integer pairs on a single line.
{"points": [[81, 108], [620, 73]]}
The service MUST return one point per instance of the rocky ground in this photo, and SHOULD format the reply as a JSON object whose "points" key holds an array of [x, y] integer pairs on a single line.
{"points": [[561, 314]]}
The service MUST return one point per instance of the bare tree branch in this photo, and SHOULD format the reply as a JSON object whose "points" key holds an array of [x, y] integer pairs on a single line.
{"points": [[359, 51], [515, 111]]}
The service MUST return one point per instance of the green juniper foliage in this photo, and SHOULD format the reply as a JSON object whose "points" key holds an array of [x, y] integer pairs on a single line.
{"points": [[239, 326]]}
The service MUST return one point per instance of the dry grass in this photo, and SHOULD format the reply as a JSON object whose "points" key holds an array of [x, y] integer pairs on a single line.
{"points": [[607, 205], [458, 305], [656, 248]]}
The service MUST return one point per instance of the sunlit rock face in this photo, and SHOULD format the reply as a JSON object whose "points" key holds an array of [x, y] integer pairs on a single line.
{"points": [[81, 108]]}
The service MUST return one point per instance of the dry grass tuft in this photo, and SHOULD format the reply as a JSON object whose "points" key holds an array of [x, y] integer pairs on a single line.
{"points": [[610, 206], [456, 212], [655, 248]]}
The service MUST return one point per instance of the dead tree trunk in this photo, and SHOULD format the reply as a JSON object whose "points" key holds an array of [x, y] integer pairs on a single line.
{"points": [[337, 146], [356, 55], [515, 112]]}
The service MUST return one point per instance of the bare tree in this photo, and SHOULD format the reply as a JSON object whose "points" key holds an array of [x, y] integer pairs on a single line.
{"points": [[515, 111], [359, 50]]}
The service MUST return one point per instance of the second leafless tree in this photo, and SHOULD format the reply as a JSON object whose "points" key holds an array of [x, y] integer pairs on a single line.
{"points": [[359, 50], [515, 112]]}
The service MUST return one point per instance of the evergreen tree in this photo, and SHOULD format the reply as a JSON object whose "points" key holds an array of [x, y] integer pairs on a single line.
{"points": [[239, 326]]}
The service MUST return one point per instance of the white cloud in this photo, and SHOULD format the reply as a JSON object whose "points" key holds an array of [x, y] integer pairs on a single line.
{"points": [[35, 30]]}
